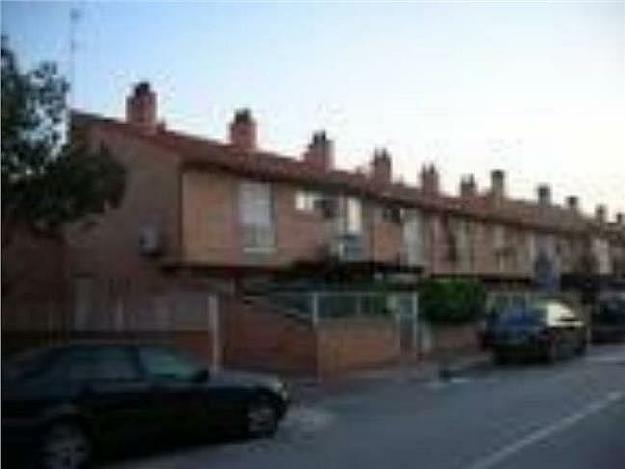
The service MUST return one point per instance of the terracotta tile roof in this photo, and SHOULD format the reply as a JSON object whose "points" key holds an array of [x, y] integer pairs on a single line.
{"points": [[196, 152]]}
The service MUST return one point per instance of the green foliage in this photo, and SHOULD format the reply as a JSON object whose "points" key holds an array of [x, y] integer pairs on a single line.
{"points": [[451, 301], [45, 182]]}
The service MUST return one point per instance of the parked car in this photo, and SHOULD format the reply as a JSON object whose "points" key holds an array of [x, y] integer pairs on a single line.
{"points": [[608, 320], [545, 329], [64, 406], [485, 329]]}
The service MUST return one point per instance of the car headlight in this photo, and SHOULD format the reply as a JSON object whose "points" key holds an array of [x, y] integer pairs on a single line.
{"points": [[282, 390]]}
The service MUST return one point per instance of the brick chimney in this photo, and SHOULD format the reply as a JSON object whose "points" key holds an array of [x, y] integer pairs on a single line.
{"points": [[600, 213], [320, 152], [381, 166], [620, 219], [468, 187], [429, 179], [544, 195], [243, 131], [572, 202], [141, 107], [498, 183]]}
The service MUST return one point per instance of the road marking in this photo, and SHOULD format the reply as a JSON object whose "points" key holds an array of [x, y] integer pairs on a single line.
{"points": [[500, 455]]}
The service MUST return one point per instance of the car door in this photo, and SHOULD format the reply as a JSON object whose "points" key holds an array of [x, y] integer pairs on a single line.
{"points": [[179, 385], [112, 393]]}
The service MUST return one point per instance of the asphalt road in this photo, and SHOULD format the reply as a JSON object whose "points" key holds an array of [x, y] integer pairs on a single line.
{"points": [[571, 415]]}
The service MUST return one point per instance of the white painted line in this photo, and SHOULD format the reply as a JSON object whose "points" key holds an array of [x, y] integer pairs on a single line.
{"points": [[500, 455]]}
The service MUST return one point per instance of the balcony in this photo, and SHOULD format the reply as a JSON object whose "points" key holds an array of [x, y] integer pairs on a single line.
{"points": [[348, 248]]}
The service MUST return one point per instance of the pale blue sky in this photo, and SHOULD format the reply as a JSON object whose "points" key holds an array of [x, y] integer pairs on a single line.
{"points": [[534, 88]]}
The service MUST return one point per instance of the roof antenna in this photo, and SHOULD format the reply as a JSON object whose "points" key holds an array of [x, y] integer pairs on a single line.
{"points": [[74, 17]]}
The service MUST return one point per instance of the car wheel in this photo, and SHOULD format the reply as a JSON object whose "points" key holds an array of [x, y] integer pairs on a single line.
{"points": [[261, 417], [65, 445], [500, 358]]}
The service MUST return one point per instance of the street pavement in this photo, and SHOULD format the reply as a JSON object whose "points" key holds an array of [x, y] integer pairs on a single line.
{"points": [[570, 415]]}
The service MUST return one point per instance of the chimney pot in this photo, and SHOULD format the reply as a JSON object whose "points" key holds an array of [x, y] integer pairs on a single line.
{"points": [[600, 211], [572, 202], [381, 166], [544, 194], [243, 131], [468, 187], [498, 183], [429, 179], [320, 151], [141, 107]]}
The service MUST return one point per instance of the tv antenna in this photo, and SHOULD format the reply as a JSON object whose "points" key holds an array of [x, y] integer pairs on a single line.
{"points": [[74, 17]]}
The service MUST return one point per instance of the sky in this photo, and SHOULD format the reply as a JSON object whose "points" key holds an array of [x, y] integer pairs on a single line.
{"points": [[534, 88]]}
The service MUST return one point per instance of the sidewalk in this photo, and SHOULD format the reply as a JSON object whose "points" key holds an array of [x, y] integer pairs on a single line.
{"points": [[307, 389]]}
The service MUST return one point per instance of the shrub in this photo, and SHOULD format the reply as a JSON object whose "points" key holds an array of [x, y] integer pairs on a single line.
{"points": [[451, 301]]}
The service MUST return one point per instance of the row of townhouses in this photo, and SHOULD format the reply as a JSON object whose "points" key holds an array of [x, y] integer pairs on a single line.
{"points": [[203, 221]]}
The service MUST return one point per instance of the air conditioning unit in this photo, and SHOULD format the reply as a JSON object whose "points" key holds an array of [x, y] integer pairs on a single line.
{"points": [[327, 206], [150, 241]]}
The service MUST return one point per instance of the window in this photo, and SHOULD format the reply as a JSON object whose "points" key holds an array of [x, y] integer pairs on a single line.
{"points": [[412, 237], [161, 363], [307, 201], [353, 215], [84, 291], [465, 244], [499, 242], [99, 363], [255, 208]]}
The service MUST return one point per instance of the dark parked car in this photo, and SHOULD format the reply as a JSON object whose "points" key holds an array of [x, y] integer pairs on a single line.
{"points": [[545, 329], [63, 406], [486, 328], [608, 320]]}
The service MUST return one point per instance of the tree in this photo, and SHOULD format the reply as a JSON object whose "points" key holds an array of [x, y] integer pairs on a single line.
{"points": [[47, 182]]}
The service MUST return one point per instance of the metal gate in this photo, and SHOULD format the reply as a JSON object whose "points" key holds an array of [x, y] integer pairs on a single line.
{"points": [[406, 309]]}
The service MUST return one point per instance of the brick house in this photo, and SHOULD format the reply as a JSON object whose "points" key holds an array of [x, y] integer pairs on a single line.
{"points": [[201, 219]]}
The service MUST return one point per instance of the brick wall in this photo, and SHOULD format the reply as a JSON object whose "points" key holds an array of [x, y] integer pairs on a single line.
{"points": [[257, 338], [386, 237], [356, 343], [107, 247], [33, 276]]}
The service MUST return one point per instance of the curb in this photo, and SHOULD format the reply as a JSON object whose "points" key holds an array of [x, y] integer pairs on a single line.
{"points": [[305, 389]]}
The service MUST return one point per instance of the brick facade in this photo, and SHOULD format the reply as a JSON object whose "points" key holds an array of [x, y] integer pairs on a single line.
{"points": [[180, 224]]}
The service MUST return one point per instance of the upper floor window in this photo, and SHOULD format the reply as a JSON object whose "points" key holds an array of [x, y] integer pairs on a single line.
{"points": [[465, 243], [353, 215], [255, 210], [412, 237], [307, 201]]}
